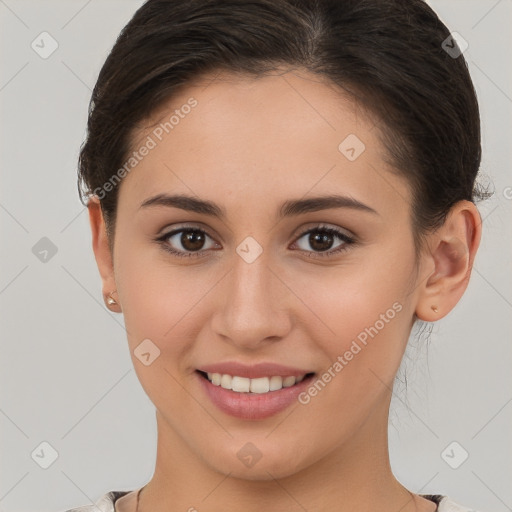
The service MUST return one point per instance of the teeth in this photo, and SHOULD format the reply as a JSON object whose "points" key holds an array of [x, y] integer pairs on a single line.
{"points": [[276, 383], [260, 385], [225, 381], [239, 384], [288, 381]]}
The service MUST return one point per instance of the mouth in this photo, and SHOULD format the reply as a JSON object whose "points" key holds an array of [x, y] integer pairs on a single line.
{"points": [[257, 386]]}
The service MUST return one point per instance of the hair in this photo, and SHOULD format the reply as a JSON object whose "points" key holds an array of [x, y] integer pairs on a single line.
{"points": [[387, 54]]}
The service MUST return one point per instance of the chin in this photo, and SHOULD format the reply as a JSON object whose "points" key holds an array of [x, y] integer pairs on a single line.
{"points": [[247, 463]]}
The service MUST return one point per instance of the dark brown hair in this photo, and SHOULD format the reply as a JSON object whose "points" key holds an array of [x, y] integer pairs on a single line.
{"points": [[388, 54]]}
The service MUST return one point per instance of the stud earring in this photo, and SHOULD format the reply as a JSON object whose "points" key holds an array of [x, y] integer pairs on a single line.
{"points": [[110, 300], [434, 309]]}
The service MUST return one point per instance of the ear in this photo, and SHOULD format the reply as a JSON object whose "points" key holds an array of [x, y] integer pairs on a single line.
{"points": [[448, 261], [102, 253]]}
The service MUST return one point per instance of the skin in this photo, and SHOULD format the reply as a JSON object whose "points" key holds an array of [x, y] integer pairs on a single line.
{"points": [[249, 145]]}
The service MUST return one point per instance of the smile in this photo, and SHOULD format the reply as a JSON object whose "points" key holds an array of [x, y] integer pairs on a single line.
{"points": [[253, 399], [260, 385]]}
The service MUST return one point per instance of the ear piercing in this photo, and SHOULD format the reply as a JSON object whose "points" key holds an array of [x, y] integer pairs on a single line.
{"points": [[110, 300], [434, 309]]}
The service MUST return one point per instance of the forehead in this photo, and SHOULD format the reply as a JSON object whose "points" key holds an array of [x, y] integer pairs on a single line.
{"points": [[273, 136]]}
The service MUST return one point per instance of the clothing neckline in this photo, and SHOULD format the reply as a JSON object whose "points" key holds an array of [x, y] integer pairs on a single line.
{"points": [[128, 504]]}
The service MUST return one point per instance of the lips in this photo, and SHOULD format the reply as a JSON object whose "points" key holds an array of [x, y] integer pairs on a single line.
{"points": [[252, 406], [260, 401]]}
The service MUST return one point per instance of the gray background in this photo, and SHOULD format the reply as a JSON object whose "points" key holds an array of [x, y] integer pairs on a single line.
{"points": [[66, 375]]}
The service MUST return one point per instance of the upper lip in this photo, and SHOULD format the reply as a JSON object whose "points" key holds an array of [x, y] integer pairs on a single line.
{"points": [[254, 371]]}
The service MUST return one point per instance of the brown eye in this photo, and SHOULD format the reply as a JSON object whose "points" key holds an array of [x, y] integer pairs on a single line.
{"points": [[185, 242], [188, 242], [192, 240], [321, 240]]}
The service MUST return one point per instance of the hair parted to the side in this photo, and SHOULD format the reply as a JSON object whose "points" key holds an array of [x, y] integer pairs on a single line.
{"points": [[386, 53]]}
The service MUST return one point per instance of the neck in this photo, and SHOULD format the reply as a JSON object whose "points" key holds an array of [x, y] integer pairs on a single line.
{"points": [[355, 476]]}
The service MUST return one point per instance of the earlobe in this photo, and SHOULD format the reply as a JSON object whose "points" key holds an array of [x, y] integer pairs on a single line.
{"points": [[452, 251], [102, 254]]}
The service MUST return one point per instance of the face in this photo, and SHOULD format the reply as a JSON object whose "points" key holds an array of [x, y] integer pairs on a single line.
{"points": [[318, 287]]}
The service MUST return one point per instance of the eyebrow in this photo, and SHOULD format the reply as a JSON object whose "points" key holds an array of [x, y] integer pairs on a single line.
{"points": [[288, 208]]}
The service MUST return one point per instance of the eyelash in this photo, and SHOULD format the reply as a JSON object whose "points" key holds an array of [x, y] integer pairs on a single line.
{"points": [[331, 231]]}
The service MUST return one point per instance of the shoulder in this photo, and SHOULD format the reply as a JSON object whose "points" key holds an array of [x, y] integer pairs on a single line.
{"points": [[104, 504], [446, 504]]}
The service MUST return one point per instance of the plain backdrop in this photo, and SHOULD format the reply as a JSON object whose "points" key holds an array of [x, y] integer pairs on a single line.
{"points": [[66, 377]]}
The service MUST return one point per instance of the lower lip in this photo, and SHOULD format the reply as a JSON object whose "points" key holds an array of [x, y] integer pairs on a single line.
{"points": [[253, 406]]}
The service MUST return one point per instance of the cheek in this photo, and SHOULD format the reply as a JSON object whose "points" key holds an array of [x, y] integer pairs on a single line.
{"points": [[361, 313], [160, 303], [169, 305], [371, 325], [156, 298], [347, 299]]}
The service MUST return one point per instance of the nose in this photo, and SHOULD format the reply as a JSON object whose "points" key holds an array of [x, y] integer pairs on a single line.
{"points": [[252, 305]]}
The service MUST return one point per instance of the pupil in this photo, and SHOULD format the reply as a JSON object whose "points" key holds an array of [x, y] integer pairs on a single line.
{"points": [[325, 241], [192, 240]]}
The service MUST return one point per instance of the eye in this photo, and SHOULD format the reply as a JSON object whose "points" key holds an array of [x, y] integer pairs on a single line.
{"points": [[321, 240], [190, 239]]}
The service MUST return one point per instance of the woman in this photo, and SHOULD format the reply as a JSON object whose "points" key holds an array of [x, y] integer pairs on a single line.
{"points": [[278, 190]]}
